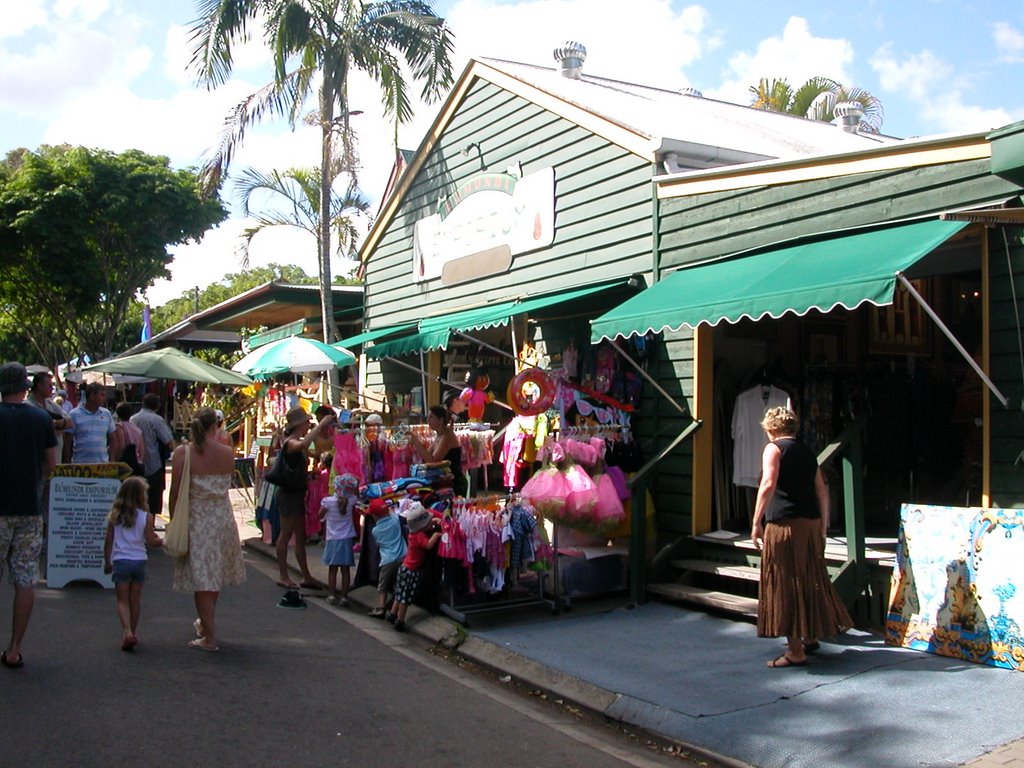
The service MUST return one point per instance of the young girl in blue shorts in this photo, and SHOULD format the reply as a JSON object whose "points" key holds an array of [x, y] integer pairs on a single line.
{"points": [[129, 531]]}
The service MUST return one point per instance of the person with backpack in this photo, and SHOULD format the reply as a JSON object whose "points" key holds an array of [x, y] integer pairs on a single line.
{"points": [[127, 444]]}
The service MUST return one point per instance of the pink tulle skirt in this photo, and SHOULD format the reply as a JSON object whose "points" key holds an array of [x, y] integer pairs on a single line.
{"points": [[547, 491], [582, 496]]}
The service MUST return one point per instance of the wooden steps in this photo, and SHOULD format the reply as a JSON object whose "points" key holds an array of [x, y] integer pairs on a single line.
{"points": [[723, 601], [716, 574], [745, 572]]}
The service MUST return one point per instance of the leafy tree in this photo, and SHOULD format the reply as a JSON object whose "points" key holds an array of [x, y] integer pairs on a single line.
{"points": [[82, 231], [299, 189], [816, 99], [317, 43], [176, 310]]}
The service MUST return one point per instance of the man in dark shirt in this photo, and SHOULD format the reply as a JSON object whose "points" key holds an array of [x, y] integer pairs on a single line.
{"points": [[28, 452]]}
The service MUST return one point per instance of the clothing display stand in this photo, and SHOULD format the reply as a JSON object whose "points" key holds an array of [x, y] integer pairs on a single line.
{"points": [[505, 600]]}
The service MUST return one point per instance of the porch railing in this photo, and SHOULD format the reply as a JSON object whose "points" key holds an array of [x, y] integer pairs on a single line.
{"points": [[638, 515], [848, 449]]}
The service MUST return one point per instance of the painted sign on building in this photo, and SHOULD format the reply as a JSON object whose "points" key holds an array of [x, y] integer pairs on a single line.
{"points": [[483, 225]]}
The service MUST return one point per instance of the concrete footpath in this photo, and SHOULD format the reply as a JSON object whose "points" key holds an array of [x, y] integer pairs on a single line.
{"points": [[701, 680]]}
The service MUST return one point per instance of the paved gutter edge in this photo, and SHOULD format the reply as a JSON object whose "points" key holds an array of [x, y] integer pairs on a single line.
{"points": [[443, 631]]}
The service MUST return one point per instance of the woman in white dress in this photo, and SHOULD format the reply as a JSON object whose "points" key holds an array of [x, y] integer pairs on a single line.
{"points": [[214, 556]]}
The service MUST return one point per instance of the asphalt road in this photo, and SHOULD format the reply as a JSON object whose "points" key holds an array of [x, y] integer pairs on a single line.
{"points": [[314, 687]]}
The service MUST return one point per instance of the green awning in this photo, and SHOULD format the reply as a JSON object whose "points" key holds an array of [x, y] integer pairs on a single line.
{"points": [[296, 328], [435, 332], [408, 345], [362, 338], [843, 270]]}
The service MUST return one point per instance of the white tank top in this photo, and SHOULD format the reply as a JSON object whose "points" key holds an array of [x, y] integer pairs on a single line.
{"points": [[130, 543]]}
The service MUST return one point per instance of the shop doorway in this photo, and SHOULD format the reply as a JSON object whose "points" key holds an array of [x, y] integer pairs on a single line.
{"points": [[889, 366]]}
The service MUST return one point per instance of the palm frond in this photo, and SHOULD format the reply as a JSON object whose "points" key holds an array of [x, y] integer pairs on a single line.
{"points": [[272, 99], [220, 24], [812, 98], [772, 95]]}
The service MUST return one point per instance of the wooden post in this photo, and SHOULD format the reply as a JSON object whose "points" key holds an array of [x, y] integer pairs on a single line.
{"points": [[703, 448]]}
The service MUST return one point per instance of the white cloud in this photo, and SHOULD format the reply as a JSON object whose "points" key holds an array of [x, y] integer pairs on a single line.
{"points": [[917, 75], [1009, 43], [19, 17], [796, 55], [934, 88], [72, 59], [89, 10], [650, 43]]}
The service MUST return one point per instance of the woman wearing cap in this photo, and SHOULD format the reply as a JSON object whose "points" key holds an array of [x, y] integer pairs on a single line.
{"points": [[291, 502]]}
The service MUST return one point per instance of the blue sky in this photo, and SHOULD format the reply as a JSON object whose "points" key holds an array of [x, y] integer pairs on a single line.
{"points": [[112, 74]]}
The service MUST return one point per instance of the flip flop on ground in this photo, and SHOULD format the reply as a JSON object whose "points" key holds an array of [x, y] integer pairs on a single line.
{"points": [[312, 585], [287, 584], [202, 645], [784, 661], [12, 663]]}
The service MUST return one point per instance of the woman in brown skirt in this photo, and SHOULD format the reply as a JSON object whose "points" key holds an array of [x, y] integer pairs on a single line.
{"points": [[797, 598]]}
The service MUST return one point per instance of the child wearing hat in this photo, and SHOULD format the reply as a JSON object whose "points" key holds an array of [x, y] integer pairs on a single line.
{"points": [[387, 532], [338, 512], [424, 533]]}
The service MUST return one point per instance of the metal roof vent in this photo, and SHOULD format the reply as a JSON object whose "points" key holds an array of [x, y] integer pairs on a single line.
{"points": [[849, 115], [691, 92], [572, 55]]}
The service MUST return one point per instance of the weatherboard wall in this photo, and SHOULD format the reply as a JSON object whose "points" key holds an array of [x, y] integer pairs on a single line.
{"points": [[602, 217], [603, 223], [701, 227]]}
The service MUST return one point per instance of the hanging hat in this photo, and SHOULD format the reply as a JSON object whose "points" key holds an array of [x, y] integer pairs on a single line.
{"points": [[346, 482], [294, 418], [418, 517]]}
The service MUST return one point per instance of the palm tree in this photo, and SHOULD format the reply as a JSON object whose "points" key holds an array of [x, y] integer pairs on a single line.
{"points": [[299, 190], [817, 99], [326, 39]]}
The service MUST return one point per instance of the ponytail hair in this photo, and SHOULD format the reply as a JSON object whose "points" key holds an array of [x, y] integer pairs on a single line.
{"points": [[202, 421]]}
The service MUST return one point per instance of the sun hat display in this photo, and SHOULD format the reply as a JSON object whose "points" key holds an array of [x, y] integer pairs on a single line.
{"points": [[417, 518], [14, 378], [294, 418]]}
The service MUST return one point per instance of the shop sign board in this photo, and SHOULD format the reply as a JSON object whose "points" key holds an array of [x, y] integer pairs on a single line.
{"points": [[956, 589], [487, 214], [78, 511]]}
